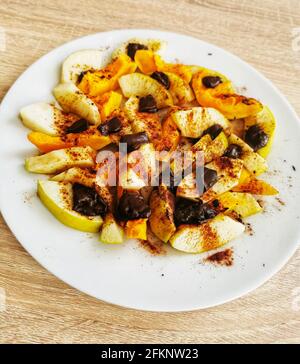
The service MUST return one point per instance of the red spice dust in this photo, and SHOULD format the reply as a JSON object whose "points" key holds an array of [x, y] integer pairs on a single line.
{"points": [[223, 258]]}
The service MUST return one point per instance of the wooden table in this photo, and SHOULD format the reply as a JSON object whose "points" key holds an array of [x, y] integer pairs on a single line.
{"points": [[39, 307]]}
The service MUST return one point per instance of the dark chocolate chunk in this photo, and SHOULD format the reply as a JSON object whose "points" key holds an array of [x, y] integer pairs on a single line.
{"points": [[256, 137], [133, 206], [111, 126], [162, 78], [211, 81], [133, 47], [213, 130], [86, 201], [78, 127], [148, 104], [233, 151], [210, 177], [134, 141], [191, 212]]}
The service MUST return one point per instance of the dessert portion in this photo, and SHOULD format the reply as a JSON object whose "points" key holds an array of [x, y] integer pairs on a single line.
{"points": [[138, 146]]}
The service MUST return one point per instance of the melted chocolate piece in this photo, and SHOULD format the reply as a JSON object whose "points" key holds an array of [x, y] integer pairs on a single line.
{"points": [[213, 131], [148, 104], [211, 81], [210, 177], [162, 78], [134, 141], [256, 137], [86, 201], [233, 151], [132, 48], [191, 212], [133, 206], [111, 126], [78, 127]]}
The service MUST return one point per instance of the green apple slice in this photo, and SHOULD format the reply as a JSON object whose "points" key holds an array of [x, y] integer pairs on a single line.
{"points": [[60, 160], [180, 91], [111, 232], [137, 84], [58, 198], [43, 117], [194, 121], [266, 121], [71, 99], [210, 235], [81, 61], [253, 162], [243, 204]]}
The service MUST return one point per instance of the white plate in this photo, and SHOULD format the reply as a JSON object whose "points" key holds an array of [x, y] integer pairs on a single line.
{"points": [[128, 275]]}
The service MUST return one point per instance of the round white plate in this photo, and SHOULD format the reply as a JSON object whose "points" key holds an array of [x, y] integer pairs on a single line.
{"points": [[128, 275]]}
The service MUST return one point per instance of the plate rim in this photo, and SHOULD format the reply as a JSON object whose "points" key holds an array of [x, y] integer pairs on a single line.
{"points": [[289, 253]]}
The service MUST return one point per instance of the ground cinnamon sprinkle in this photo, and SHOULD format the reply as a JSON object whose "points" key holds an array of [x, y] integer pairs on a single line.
{"points": [[223, 258]]}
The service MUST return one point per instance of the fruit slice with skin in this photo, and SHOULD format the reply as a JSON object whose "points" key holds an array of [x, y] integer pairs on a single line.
{"points": [[59, 160], [256, 187], [170, 135], [180, 90], [137, 84], [213, 149], [145, 61], [108, 103], [162, 205], [58, 198], [207, 236], [181, 70], [243, 204], [111, 232], [136, 229], [254, 163], [105, 80], [76, 175], [81, 61], [45, 118], [266, 121], [193, 122], [46, 143], [229, 172], [71, 99], [223, 97]]}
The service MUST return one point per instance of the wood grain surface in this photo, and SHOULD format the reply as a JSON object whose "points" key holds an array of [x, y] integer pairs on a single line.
{"points": [[42, 309]]}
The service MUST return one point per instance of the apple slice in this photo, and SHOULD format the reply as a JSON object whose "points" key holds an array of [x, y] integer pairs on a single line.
{"points": [[81, 61], [58, 198], [60, 160], [137, 84], [180, 90], [147, 122], [266, 121], [210, 235], [111, 232], [45, 118], [243, 204], [194, 121], [162, 204], [76, 175], [229, 173], [253, 162], [71, 99]]}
